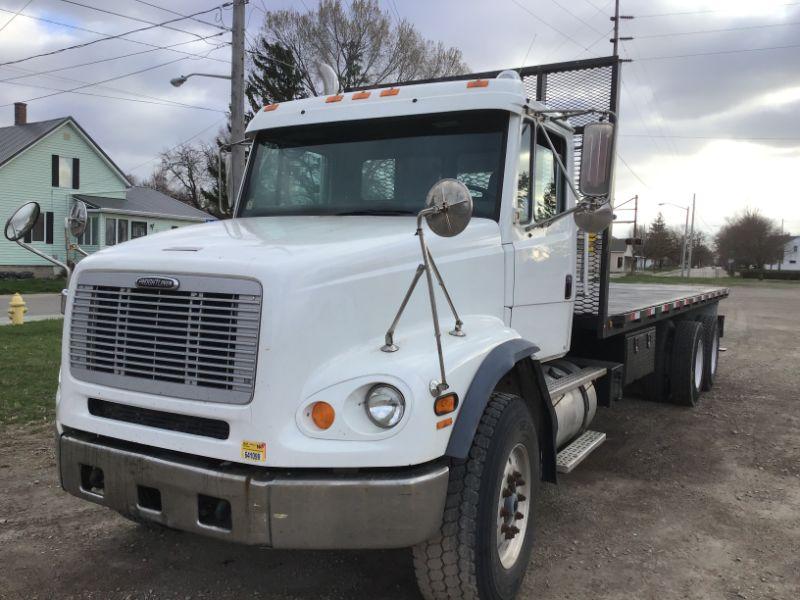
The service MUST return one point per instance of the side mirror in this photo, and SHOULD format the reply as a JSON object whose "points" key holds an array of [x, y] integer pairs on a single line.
{"points": [[77, 219], [22, 221], [594, 220], [596, 159], [448, 207]]}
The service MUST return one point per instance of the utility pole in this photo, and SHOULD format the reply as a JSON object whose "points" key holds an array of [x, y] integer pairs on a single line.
{"points": [[691, 237], [237, 100], [616, 39], [635, 221], [685, 236]]}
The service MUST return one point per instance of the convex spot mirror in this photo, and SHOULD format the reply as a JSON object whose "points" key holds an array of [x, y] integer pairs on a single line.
{"points": [[452, 207], [22, 221], [77, 219], [594, 219], [596, 157]]}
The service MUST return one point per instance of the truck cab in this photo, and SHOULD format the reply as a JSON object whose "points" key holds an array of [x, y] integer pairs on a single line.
{"points": [[236, 379]]}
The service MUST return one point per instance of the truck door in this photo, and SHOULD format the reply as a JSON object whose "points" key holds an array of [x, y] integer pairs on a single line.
{"points": [[544, 257]]}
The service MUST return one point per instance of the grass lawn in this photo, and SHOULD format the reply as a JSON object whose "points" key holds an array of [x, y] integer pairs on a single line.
{"points": [[32, 286], [717, 281], [29, 377]]}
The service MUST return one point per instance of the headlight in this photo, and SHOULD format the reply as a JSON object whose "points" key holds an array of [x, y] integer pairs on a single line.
{"points": [[385, 405]]}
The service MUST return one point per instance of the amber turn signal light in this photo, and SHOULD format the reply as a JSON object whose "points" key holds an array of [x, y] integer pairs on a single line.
{"points": [[478, 83], [445, 404], [322, 414]]}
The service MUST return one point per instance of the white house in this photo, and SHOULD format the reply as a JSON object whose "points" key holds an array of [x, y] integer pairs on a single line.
{"points": [[791, 256]]}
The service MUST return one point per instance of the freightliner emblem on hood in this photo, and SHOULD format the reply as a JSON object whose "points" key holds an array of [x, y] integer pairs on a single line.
{"points": [[158, 283]]}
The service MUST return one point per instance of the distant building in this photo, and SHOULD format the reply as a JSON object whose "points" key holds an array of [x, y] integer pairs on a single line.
{"points": [[54, 163], [791, 256], [621, 256]]}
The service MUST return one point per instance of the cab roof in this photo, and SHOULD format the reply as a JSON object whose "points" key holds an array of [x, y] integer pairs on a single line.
{"points": [[404, 100]]}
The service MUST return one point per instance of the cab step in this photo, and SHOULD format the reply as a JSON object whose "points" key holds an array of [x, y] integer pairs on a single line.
{"points": [[581, 447], [562, 385]]}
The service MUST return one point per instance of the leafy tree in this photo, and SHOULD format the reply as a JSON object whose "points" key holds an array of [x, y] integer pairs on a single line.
{"points": [[273, 76], [658, 243], [750, 240]]}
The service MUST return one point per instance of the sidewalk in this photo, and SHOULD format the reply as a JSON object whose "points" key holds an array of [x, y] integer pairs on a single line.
{"points": [[40, 307]]}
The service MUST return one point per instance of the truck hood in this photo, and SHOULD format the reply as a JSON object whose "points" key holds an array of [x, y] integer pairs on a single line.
{"points": [[321, 246]]}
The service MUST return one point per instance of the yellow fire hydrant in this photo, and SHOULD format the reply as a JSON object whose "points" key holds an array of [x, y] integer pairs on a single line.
{"points": [[17, 309]]}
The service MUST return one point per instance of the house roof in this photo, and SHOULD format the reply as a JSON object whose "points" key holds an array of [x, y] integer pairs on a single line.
{"points": [[147, 201], [618, 245], [15, 139]]}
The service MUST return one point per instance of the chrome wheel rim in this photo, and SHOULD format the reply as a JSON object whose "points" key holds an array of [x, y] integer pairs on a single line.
{"points": [[512, 506], [698, 365], [714, 353]]}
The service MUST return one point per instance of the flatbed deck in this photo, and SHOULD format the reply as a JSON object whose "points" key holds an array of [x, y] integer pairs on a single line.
{"points": [[631, 305]]}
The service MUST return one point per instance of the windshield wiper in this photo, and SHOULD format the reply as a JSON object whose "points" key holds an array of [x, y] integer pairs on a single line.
{"points": [[376, 211]]}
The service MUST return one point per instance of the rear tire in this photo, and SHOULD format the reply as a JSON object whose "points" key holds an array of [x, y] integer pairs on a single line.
{"points": [[688, 359], [711, 345], [490, 497]]}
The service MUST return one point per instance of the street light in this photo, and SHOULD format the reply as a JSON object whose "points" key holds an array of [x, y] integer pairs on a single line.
{"points": [[179, 81], [685, 234]]}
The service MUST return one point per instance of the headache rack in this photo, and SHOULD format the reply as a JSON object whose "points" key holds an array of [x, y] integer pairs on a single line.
{"points": [[575, 85]]}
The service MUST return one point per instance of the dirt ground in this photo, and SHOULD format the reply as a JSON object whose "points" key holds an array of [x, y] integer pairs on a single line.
{"points": [[678, 503]]}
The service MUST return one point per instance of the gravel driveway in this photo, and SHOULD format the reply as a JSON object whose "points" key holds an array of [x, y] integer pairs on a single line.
{"points": [[678, 503]]}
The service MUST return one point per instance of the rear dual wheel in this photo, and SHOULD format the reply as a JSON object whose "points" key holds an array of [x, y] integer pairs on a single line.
{"points": [[687, 363], [484, 545]]}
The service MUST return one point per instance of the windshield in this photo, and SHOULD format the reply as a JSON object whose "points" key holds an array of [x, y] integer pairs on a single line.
{"points": [[379, 166]]}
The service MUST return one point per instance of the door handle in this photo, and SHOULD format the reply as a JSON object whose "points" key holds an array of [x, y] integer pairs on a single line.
{"points": [[568, 288]]}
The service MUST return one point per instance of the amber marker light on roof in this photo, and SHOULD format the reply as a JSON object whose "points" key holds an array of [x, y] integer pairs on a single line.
{"points": [[478, 83], [271, 107], [361, 95], [390, 92], [336, 98], [322, 414]]}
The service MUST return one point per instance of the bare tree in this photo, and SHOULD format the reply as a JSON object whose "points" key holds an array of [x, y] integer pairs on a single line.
{"points": [[359, 40], [184, 167]]}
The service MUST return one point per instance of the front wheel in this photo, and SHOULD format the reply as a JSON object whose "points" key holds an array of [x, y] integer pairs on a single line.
{"points": [[484, 545]]}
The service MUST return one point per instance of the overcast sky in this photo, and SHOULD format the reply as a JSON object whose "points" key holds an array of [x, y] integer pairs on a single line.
{"points": [[710, 104]]}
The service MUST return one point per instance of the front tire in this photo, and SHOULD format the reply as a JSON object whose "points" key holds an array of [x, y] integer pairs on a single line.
{"points": [[484, 545]]}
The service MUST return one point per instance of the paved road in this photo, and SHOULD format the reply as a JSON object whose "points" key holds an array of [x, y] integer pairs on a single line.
{"points": [[678, 504], [40, 306]]}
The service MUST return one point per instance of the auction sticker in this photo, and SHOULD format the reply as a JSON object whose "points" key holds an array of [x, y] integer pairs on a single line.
{"points": [[255, 451]]}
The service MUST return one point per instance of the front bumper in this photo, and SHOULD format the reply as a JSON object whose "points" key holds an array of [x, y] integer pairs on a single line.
{"points": [[307, 509]]}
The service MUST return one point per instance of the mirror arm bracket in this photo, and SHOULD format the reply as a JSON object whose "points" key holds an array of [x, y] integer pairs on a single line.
{"points": [[41, 254]]}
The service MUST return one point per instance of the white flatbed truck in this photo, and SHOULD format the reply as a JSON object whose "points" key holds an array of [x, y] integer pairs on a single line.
{"points": [[236, 379]]}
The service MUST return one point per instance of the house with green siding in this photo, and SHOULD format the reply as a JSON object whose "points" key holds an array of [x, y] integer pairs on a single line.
{"points": [[55, 163]]}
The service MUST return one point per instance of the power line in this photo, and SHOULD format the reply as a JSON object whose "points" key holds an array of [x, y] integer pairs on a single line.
{"points": [[697, 12], [727, 138], [102, 60], [627, 166], [719, 52], [103, 39], [137, 19], [547, 24], [15, 15], [217, 25], [574, 16], [115, 78], [662, 35], [121, 36]]}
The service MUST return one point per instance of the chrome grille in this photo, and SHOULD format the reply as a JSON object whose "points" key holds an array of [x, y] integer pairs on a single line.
{"points": [[199, 341]]}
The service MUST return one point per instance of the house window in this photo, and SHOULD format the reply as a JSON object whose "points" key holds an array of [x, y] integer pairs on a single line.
{"points": [[619, 262], [65, 172], [138, 229], [111, 232], [43, 229], [122, 230], [795, 249], [90, 235]]}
